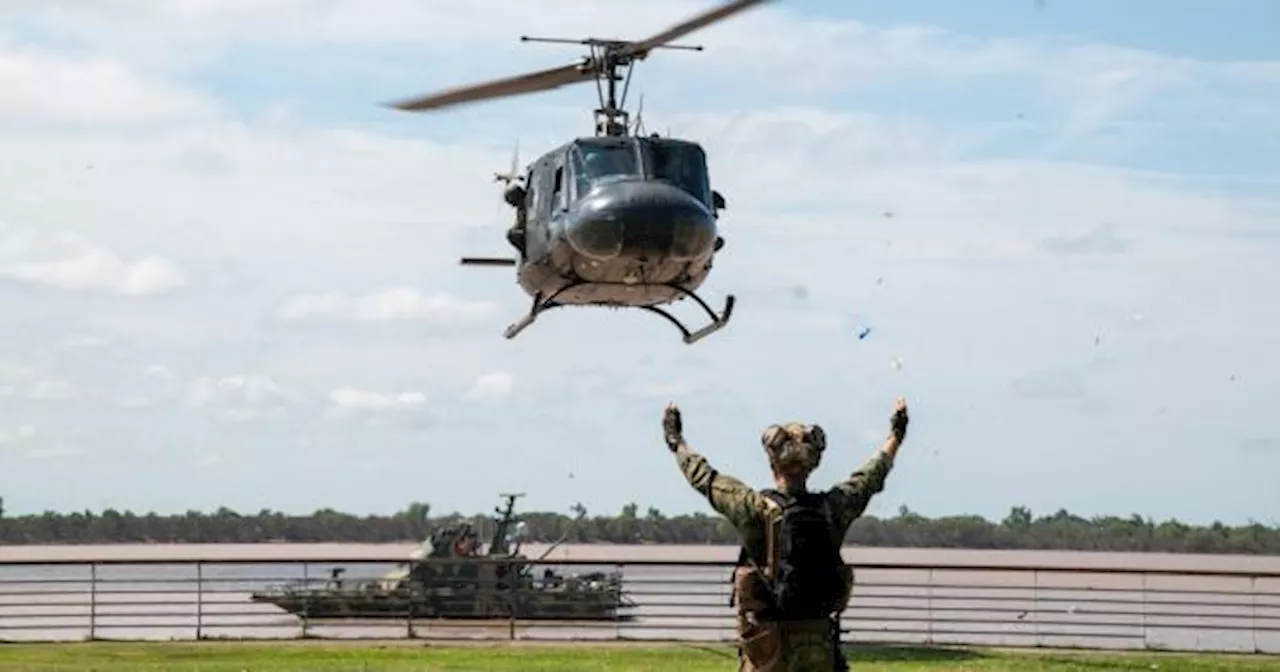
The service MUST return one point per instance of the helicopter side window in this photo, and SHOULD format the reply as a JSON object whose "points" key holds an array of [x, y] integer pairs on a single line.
{"points": [[558, 192], [683, 165]]}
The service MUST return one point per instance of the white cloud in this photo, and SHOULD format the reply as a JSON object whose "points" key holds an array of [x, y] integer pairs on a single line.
{"points": [[43, 87], [50, 389], [398, 303], [1088, 83], [20, 433], [55, 452], [69, 262], [160, 383], [247, 390], [142, 27], [163, 374], [242, 415], [32, 381], [83, 342], [674, 389], [291, 202], [491, 387], [353, 399]]}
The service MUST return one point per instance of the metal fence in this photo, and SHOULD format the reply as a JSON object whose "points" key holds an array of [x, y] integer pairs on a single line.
{"points": [[996, 605]]}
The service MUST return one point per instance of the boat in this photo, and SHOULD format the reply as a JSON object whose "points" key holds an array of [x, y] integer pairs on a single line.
{"points": [[450, 577]]}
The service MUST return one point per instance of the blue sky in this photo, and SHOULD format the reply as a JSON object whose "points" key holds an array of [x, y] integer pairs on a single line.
{"points": [[229, 275], [1201, 30]]}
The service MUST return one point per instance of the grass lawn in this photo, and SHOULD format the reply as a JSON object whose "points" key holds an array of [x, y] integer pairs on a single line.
{"points": [[404, 656]]}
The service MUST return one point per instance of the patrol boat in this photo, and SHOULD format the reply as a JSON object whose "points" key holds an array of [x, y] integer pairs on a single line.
{"points": [[449, 577]]}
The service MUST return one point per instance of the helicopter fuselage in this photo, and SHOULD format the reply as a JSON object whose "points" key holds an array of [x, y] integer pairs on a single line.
{"points": [[624, 221], [618, 221]]}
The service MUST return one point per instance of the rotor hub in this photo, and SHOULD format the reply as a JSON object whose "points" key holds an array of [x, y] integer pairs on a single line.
{"points": [[606, 59]]}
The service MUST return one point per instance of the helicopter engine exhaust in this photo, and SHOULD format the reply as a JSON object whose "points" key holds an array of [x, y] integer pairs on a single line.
{"points": [[648, 219]]}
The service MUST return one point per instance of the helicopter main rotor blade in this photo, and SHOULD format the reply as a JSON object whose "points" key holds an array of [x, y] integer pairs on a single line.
{"points": [[498, 88], [641, 48]]}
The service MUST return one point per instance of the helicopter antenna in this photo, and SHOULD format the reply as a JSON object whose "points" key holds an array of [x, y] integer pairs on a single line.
{"points": [[638, 128], [513, 175], [604, 65]]}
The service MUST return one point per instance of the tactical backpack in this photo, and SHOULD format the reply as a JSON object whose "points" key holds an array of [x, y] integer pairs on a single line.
{"points": [[808, 578]]}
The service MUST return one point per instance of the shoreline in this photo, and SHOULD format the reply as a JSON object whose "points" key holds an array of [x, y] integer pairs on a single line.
{"points": [[905, 558]]}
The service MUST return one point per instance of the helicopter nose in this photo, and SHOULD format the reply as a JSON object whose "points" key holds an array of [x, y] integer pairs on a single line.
{"points": [[652, 219]]}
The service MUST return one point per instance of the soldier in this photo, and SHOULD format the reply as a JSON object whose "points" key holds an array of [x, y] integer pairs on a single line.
{"points": [[518, 198], [790, 585]]}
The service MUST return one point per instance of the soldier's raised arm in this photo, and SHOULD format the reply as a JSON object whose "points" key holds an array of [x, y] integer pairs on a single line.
{"points": [[850, 497], [730, 497]]}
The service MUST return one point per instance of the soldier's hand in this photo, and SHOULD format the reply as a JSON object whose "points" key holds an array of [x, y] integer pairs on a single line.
{"points": [[672, 426], [898, 421]]}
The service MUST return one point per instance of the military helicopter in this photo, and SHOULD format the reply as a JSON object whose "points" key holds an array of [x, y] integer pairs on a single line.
{"points": [[618, 219]]}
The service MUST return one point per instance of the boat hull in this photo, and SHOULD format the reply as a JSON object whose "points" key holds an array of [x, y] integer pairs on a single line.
{"points": [[352, 605]]}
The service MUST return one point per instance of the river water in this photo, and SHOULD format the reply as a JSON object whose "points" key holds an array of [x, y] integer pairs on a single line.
{"points": [[927, 596]]}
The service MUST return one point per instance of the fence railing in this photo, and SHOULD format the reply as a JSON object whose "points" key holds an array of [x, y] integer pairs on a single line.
{"points": [[653, 600]]}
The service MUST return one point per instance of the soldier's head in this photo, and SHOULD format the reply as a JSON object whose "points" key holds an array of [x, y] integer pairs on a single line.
{"points": [[794, 450]]}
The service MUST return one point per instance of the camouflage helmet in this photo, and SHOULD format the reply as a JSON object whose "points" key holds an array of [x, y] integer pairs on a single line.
{"points": [[794, 448]]}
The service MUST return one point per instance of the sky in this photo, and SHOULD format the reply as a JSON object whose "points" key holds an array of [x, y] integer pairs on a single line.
{"points": [[229, 273]]}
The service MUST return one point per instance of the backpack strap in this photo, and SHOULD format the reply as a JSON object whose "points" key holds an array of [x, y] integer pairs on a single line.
{"points": [[776, 502]]}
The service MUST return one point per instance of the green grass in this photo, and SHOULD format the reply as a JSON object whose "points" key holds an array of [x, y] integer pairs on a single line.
{"points": [[500, 657]]}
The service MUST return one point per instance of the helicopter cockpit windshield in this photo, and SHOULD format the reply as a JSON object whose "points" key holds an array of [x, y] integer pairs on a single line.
{"points": [[683, 164], [594, 162]]}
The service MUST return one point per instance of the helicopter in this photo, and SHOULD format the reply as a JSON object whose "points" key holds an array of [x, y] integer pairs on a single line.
{"points": [[618, 219]]}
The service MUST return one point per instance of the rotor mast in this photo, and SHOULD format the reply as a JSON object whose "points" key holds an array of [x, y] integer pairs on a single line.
{"points": [[604, 65], [607, 58]]}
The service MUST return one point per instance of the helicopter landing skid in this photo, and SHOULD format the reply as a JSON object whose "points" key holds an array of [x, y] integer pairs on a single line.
{"points": [[541, 305], [717, 321]]}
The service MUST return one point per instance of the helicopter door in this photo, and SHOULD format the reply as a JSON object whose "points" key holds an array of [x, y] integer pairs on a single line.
{"points": [[541, 183], [541, 207]]}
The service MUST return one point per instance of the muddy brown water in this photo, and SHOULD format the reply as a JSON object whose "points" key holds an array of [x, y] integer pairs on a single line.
{"points": [[1124, 600]]}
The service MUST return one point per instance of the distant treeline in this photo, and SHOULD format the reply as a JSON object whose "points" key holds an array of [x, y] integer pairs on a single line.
{"points": [[1018, 530]]}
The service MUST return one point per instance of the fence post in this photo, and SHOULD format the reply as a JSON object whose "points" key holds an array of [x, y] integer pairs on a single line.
{"points": [[199, 600], [408, 621], [1253, 612], [513, 579], [928, 604], [1035, 608], [410, 605], [93, 600], [1146, 644], [617, 613], [306, 600]]}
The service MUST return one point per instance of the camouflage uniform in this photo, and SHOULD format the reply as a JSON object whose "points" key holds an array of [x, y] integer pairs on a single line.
{"points": [[806, 646]]}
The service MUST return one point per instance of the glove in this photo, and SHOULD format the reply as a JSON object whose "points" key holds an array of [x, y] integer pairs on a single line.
{"points": [[672, 427], [898, 422]]}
